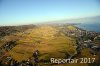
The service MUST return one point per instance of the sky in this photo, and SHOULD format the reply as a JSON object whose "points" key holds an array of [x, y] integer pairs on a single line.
{"points": [[19, 12]]}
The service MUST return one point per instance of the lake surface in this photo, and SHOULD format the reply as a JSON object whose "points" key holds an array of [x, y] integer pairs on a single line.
{"points": [[90, 26]]}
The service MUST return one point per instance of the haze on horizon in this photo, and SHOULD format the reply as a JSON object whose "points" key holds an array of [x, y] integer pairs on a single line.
{"points": [[19, 12]]}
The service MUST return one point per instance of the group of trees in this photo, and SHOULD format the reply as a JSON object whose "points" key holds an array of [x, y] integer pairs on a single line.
{"points": [[7, 30]]}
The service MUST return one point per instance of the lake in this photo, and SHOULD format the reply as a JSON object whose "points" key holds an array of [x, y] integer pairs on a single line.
{"points": [[90, 26]]}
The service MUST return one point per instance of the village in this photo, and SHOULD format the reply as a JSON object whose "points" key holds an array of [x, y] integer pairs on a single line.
{"points": [[85, 39]]}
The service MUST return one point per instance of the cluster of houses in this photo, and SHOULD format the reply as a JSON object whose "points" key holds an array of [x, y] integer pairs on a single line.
{"points": [[9, 61], [7, 47], [85, 39], [92, 46]]}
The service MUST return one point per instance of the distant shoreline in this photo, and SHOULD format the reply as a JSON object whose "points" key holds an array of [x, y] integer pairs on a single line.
{"points": [[89, 28]]}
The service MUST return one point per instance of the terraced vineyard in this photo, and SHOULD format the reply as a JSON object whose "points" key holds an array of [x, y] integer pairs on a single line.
{"points": [[49, 40]]}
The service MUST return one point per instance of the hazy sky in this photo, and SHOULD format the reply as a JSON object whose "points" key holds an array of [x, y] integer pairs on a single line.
{"points": [[14, 12]]}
